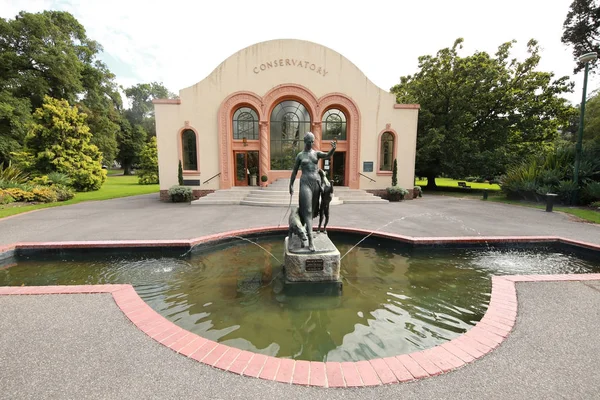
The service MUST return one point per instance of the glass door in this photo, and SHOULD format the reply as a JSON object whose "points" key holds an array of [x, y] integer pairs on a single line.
{"points": [[338, 169], [241, 168]]}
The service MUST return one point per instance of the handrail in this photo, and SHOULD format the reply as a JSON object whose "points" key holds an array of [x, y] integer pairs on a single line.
{"points": [[210, 179], [371, 179]]}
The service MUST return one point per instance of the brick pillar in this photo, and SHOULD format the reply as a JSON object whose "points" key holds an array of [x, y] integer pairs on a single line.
{"points": [[264, 150]]}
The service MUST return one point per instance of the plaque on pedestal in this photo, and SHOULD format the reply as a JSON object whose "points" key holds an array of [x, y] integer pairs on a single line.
{"points": [[303, 265]]}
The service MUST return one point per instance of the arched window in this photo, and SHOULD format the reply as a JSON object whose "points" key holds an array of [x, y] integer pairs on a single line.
{"points": [[290, 121], [190, 150], [334, 125], [245, 124], [386, 154]]}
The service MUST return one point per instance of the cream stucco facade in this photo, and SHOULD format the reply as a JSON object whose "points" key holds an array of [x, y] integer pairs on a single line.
{"points": [[260, 77]]}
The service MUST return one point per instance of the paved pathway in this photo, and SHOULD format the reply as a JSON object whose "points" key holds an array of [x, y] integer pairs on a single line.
{"points": [[144, 217], [82, 346]]}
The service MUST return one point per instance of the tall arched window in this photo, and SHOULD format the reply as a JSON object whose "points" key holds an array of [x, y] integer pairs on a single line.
{"points": [[189, 150], [290, 121], [245, 124], [386, 155], [334, 125]]}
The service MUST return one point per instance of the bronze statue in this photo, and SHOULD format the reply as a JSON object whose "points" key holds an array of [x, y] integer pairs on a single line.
{"points": [[326, 194], [296, 226], [310, 183]]}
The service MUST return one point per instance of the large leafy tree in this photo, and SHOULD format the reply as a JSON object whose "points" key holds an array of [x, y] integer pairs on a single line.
{"points": [[582, 29], [142, 109], [480, 113], [591, 127], [49, 53], [59, 141], [131, 140], [139, 124]]}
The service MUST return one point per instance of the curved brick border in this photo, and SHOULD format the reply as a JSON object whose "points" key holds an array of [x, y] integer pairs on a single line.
{"points": [[485, 336]]}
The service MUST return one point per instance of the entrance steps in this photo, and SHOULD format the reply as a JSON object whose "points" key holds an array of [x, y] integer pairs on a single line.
{"points": [[356, 196], [225, 196], [277, 195]]}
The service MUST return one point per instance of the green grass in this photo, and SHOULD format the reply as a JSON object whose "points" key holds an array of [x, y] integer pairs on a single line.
{"points": [[447, 182], [114, 187]]}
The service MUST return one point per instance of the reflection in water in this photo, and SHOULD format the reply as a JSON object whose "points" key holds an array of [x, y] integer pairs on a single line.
{"points": [[393, 301]]}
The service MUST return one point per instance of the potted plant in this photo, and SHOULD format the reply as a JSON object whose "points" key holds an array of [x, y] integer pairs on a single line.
{"points": [[180, 194], [264, 180], [417, 192], [396, 193], [253, 175]]}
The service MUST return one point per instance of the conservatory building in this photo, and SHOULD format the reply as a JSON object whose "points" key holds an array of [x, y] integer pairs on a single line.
{"points": [[248, 118]]}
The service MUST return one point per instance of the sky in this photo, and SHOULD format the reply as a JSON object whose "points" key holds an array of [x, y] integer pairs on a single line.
{"points": [[179, 43]]}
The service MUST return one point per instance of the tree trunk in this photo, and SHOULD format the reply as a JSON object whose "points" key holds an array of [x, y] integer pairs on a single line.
{"points": [[127, 169], [431, 185]]}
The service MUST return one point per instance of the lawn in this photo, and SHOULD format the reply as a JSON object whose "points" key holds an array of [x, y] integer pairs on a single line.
{"points": [[447, 182], [115, 186]]}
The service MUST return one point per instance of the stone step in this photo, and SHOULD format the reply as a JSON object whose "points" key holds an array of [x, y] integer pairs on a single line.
{"points": [[284, 201], [224, 201], [276, 203], [375, 199]]}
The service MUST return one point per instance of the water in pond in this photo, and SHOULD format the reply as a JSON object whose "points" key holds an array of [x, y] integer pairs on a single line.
{"points": [[393, 301]]}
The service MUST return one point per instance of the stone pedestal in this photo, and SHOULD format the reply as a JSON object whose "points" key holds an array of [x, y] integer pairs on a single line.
{"points": [[303, 265]]}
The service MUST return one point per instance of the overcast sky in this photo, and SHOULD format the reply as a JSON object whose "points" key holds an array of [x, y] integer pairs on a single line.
{"points": [[180, 42]]}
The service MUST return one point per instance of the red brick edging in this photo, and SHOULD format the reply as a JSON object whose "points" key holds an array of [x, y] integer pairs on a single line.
{"points": [[484, 337]]}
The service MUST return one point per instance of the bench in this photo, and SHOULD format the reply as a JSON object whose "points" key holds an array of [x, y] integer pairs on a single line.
{"points": [[463, 185]]}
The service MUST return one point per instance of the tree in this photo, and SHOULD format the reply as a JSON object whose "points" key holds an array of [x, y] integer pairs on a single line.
{"points": [[103, 104], [142, 109], [180, 174], [131, 141], [44, 54], [59, 141], [395, 173], [481, 113], [148, 169], [15, 116], [48, 53], [581, 29]]}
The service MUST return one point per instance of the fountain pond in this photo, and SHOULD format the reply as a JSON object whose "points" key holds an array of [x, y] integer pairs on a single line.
{"points": [[396, 298]]}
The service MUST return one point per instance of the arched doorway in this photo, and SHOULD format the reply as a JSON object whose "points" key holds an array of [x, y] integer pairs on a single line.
{"points": [[289, 122]]}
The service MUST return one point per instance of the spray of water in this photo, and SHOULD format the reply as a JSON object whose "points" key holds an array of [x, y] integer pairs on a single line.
{"points": [[256, 244], [372, 232]]}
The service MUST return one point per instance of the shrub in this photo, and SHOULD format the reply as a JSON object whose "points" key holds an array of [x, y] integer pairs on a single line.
{"points": [[12, 174], [58, 178], [59, 140], [565, 190], [417, 191], [44, 195], [180, 194], [41, 180], [395, 174], [396, 193], [264, 178], [470, 178], [180, 174], [63, 193], [5, 197], [592, 190], [595, 204], [480, 180], [148, 168], [20, 194]]}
